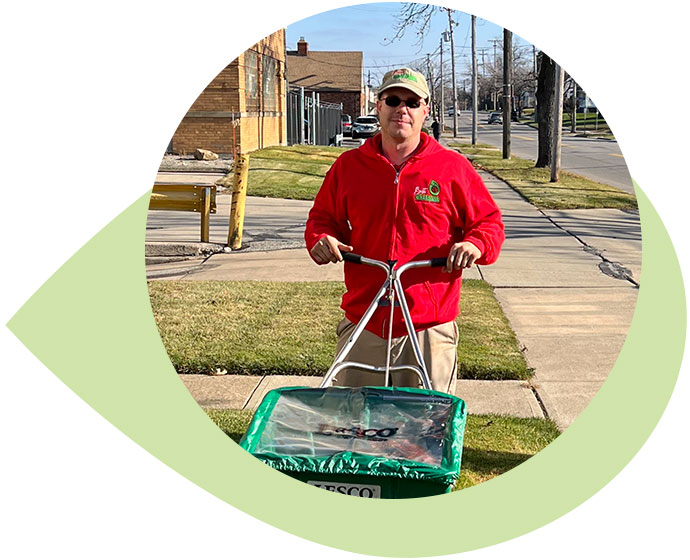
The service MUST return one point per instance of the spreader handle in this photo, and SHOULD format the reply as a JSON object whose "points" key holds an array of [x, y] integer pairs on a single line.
{"points": [[359, 259], [351, 257]]}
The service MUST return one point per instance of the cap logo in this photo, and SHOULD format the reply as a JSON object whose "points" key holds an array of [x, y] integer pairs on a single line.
{"points": [[403, 75]]}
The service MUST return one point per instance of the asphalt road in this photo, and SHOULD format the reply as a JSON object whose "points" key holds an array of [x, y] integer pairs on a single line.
{"points": [[595, 158]]}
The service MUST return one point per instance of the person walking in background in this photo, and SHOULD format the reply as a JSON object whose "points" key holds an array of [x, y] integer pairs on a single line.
{"points": [[436, 129]]}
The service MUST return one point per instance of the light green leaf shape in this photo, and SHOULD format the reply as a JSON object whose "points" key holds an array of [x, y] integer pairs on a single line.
{"points": [[91, 324]]}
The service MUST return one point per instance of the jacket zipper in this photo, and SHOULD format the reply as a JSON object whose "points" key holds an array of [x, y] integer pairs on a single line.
{"points": [[398, 171], [395, 214], [396, 201]]}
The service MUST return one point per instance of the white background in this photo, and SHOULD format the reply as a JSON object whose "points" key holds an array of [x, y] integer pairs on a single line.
{"points": [[92, 93]]}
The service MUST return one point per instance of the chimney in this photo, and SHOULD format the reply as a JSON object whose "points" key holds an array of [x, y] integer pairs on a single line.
{"points": [[302, 47]]}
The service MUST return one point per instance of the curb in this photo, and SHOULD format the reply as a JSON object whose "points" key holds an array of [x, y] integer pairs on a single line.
{"points": [[165, 249]]}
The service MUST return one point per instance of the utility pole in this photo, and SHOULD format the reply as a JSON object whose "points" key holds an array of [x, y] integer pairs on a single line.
{"points": [[573, 114], [507, 89], [495, 42], [474, 80], [483, 54], [536, 81], [441, 105], [455, 85], [430, 81], [557, 126]]}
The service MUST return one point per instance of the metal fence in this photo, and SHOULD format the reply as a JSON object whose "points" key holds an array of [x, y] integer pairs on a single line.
{"points": [[310, 121]]}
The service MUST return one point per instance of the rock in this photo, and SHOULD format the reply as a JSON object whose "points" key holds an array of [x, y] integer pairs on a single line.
{"points": [[205, 155], [227, 181]]}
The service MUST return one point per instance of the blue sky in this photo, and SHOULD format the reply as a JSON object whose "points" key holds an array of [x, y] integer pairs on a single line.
{"points": [[366, 26]]}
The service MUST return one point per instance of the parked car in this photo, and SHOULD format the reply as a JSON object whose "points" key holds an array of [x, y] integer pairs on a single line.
{"points": [[450, 111], [347, 125], [495, 117], [364, 127]]}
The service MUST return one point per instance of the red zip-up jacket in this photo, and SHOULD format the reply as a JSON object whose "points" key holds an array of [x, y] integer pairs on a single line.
{"points": [[434, 200]]}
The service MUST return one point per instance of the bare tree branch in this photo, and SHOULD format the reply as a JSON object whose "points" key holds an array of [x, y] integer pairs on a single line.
{"points": [[417, 16]]}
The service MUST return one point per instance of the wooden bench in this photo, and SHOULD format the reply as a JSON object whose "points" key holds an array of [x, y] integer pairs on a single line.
{"points": [[186, 197]]}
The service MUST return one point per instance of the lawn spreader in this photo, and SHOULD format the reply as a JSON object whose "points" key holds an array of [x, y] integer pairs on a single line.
{"points": [[372, 442]]}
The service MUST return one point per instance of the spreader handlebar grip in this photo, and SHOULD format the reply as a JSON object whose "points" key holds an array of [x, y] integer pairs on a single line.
{"points": [[351, 257], [438, 261]]}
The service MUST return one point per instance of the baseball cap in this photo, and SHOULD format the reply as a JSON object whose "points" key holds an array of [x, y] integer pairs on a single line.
{"points": [[405, 78]]}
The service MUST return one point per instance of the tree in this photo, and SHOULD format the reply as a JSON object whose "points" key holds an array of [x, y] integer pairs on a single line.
{"points": [[546, 83], [490, 80], [419, 17]]}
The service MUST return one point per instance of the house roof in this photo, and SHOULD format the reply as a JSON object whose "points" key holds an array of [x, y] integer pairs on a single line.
{"points": [[326, 70]]}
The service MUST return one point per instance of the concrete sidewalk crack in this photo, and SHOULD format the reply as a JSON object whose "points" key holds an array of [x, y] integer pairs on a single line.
{"points": [[270, 234], [253, 392], [607, 267], [535, 392]]}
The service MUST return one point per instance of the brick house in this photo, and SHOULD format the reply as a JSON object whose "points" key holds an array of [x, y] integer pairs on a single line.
{"points": [[335, 75], [243, 108]]}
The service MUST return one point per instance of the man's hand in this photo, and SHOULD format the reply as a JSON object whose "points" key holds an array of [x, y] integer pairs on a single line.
{"points": [[327, 249], [462, 255]]}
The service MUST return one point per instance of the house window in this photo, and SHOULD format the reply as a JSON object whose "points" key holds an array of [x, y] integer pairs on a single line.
{"points": [[268, 83], [251, 80]]}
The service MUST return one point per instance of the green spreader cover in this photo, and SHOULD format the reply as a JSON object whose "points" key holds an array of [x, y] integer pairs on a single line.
{"points": [[387, 442]]}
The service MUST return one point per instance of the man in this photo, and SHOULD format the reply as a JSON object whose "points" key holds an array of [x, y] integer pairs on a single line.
{"points": [[402, 196]]}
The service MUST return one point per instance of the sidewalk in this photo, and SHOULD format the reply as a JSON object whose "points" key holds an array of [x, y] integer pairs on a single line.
{"points": [[567, 281], [514, 398], [569, 311]]}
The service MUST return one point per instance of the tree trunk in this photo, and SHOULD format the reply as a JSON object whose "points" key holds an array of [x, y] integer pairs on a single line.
{"points": [[546, 82]]}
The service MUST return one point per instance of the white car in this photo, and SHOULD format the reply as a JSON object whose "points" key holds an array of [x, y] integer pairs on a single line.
{"points": [[364, 127]]}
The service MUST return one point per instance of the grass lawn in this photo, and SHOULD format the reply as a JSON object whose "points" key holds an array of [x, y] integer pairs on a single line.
{"points": [[596, 126], [591, 123], [492, 444], [571, 191], [258, 328], [294, 172]]}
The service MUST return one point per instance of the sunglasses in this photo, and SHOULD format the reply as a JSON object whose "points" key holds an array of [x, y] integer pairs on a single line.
{"points": [[394, 101]]}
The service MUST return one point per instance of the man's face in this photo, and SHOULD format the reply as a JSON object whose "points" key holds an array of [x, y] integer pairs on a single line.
{"points": [[401, 122]]}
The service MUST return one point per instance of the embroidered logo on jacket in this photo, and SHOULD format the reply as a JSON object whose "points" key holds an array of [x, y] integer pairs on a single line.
{"points": [[428, 194]]}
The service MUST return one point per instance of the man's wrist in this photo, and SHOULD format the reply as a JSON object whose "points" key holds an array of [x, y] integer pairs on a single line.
{"points": [[477, 243]]}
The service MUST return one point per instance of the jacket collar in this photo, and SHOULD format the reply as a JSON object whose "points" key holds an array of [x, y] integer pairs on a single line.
{"points": [[372, 147]]}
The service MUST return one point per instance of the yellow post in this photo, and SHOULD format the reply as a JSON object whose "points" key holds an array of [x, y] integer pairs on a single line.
{"points": [[239, 195], [205, 214]]}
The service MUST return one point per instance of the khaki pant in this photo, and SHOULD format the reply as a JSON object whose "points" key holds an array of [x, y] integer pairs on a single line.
{"points": [[438, 345]]}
